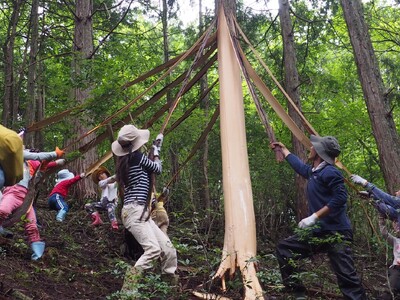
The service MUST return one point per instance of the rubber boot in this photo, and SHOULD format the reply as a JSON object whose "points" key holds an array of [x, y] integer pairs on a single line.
{"points": [[37, 249], [114, 225], [61, 215], [6, 233], [131, 279], [96, 219]]}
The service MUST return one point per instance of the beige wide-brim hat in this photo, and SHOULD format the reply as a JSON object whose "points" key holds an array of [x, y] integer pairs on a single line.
{"points": [[97, 172], [129, 135], [327, 147]]}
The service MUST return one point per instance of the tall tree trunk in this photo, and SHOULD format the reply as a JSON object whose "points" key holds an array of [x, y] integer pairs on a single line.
{"points": [[83, 50], [164, 19], [10, 106], [378, 105], [31, 113], [240, 246], [205, 189], [292, 87]]}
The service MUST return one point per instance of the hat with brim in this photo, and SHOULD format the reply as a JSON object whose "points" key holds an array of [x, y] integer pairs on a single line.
{"points": [[97, 172], [64, 174], [327, 147], [129, 139]]}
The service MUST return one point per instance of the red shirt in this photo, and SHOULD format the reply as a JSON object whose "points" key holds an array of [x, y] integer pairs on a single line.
{"points": [[63, 187]]}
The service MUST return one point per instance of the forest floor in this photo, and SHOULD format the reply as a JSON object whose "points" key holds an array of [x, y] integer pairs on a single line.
{"points": [[83, 262]]}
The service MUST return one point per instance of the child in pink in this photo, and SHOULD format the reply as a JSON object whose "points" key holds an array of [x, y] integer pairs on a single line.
{"points": [[65, 179], [13, 197]]}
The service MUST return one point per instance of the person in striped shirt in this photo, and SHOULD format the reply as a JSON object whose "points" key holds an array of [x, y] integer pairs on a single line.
{"points": [[134, 170]]}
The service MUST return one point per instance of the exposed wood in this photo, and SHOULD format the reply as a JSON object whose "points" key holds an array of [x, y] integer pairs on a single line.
{"points": [[240, 246]]}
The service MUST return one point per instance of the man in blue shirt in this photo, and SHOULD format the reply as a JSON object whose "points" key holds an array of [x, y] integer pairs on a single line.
{"points": [[328, 226]]}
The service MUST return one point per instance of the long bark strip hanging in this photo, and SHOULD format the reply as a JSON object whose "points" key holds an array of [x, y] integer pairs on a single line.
{"points": [[52, 119], [58, 117], [191, 109], [181, 91], [163, 76], [101, 137], [278, 108], [286, 118], [305, 122], [196, 146], [260, 110], [169, 63], [240, 246]]}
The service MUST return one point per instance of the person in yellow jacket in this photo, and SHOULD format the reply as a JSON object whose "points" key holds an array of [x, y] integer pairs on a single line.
{"points": [[11, 157]]}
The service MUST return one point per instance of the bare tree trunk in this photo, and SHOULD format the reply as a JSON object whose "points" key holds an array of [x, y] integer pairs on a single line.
{"points": [[240, 246], [83, 50], [292, 84], [31, 113], [378, 105], [9, 104]]}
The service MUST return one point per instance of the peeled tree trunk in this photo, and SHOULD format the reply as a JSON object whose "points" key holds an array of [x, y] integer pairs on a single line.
{"points": [[380, 113], [240, 245]]}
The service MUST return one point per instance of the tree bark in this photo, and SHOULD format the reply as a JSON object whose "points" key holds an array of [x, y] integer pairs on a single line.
{"points": [[292, 87], [240, 244], [31, 114], [10, 106], [378, 105], [83, 50]]}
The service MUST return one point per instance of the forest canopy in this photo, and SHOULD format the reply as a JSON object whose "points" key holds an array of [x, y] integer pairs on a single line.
{"points": [[68, 67]]}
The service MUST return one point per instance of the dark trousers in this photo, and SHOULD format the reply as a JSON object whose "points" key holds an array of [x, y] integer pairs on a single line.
{"points": [[339, 252], [394, 281]]}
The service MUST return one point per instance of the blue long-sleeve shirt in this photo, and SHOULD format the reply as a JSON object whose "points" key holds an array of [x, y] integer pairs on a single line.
{"points": [[378, 194], [325, 187]]}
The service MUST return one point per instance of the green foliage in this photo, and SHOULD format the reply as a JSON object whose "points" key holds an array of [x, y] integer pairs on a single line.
{"points": [[148, 286], [331, 100]]}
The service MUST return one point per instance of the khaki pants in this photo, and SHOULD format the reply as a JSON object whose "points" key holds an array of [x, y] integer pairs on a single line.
{"points": [[153, 241]]}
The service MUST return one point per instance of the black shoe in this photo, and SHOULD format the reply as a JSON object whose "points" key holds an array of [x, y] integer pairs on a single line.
{"points": [[300, 296]]}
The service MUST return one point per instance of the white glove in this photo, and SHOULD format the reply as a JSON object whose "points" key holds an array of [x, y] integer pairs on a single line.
{"points": [[159, 139], [309, 221], [358, 180], [60, 162], [156, 151], [165, 191], [83, 175]]}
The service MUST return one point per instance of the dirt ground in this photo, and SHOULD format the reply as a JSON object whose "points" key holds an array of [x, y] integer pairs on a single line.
{"points": [[83, 262]]}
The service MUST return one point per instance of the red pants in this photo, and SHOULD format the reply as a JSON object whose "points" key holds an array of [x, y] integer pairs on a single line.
{"points": [[13, 197]]}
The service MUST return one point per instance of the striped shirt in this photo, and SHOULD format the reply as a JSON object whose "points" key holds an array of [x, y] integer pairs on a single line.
{"points": [[141, 167]]}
